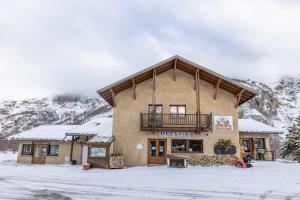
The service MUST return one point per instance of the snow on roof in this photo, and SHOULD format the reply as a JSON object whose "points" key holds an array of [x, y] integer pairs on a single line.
{"points": [[253, 126], [95, 126], [44, 132]]}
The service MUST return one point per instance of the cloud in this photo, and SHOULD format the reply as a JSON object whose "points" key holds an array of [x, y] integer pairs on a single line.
{"points": [[50, 47]]}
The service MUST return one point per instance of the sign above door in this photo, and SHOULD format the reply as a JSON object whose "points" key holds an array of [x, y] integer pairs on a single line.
{"points": [[174, 134]]}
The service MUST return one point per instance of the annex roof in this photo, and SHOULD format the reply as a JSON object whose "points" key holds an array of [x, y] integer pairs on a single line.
{"points": [[253, 126], [44, 132], [181, 64], [100, 128], [98, 125]]}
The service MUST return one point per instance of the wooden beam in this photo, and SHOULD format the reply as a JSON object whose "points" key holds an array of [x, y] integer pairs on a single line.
{"points": [[238, 98], [197, 71], [113, 95], [134, 87], [217, 85], [174, 70], [154, 77], [72, 146]]}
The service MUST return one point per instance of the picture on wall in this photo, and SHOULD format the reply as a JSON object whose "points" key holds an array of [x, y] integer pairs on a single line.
{"points": [[223, 122]]}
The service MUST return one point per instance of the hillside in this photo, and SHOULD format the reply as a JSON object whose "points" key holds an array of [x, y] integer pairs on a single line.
{"points": [[17, 116], [277, 104]]}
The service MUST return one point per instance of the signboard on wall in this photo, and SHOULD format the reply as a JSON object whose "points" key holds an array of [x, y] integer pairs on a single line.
{"points": [[223, 122], [174, 134]]}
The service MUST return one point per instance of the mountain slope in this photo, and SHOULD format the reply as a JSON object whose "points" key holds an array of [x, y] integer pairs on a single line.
{"points": [[277, 104], [17, 116]]}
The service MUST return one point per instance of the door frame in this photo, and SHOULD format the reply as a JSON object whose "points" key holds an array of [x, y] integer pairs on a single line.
{"points": [[39, 160], [244, 153], [157, 151]]}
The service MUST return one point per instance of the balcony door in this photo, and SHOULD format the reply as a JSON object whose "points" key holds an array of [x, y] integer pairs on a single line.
{"points": [[155, 115], [157, 151]]}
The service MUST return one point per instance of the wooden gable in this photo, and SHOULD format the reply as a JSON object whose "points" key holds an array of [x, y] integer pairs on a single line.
{"points": [[242, 92]]}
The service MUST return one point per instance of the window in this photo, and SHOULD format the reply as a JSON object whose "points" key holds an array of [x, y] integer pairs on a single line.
{"points": [[179, 110], [98, 152], [187, 146], [259, 143], [196, 146], [27, 149], [53, 150], [178, 146]]}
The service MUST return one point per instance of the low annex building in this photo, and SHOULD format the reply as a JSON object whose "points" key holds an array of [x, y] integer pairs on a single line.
{"points": [[255, 139], [175, 107], [58, 144]]}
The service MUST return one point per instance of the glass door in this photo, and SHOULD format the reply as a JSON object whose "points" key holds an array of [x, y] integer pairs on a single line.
{"points": [[39, 154], [157, 151]]}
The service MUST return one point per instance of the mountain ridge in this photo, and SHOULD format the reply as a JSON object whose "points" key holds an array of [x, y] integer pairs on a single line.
{"points": [[275, 104]]}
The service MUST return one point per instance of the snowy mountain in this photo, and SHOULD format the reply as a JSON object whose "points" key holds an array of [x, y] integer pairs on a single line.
{"points": [[277, 104], [17, 116]]}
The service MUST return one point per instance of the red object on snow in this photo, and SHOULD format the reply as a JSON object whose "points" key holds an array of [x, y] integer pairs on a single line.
{"points": [[241, 163], [86, 166]]}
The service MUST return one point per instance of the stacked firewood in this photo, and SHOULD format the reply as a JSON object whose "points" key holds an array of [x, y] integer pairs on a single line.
{"points": [[210, 160], [116, 161]]}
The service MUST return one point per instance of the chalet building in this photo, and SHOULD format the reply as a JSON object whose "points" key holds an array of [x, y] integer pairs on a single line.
{"points": [[59, 144], [255, 139], [175, 107]]}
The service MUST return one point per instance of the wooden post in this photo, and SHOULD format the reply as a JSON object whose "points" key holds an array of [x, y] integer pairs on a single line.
{"points": [[113, 95], [238, 98], [134, 87], [197, 82], [153, 99], [174, 71], [71, 153], [217, 85]]}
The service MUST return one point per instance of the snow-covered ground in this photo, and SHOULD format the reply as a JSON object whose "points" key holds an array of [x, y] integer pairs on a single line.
{"points": [[266, 180]]}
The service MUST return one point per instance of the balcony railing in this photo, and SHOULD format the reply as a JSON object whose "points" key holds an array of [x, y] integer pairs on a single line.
{"points": [[176, 122]]}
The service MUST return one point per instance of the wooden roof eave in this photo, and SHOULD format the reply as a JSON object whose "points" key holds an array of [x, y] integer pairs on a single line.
{"points": [[184, 65]]}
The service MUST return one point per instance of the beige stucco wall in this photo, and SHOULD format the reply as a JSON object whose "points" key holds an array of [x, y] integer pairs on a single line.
{"points": [[63, 155], [268, 153], [126, 115]]}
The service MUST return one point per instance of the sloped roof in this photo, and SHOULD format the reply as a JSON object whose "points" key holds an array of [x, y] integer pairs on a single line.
{"points": [[100, 128], [253, 126], [44, 132], [181, 64]]}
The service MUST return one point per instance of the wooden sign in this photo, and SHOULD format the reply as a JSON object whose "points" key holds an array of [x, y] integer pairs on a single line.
{"points": [[223, 122], [174, 134]]}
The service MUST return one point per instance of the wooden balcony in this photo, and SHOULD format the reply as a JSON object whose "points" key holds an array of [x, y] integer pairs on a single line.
{"points": [[176, 122]]}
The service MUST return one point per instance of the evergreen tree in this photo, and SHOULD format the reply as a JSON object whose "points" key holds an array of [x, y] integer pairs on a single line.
{"points": [[291, 146]]}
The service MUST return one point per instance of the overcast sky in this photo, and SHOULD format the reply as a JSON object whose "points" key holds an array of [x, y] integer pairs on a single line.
{"points": [[59, 46]]}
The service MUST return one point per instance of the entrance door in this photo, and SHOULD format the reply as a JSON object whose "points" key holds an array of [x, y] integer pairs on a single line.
{"points": [[157, 151], [39, 153], [247, 147]]}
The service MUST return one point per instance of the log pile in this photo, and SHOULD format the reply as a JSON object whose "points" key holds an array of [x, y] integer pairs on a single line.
{"points": [[116, 161], [210, 160]]}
